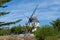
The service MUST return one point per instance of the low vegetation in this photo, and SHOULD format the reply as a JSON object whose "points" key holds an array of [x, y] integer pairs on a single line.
{"points": [[46, 32], [51, 32]]}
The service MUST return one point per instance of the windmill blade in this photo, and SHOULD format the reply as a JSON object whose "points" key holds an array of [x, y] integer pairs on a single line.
{"points": [[34, 11], [25, 16]]}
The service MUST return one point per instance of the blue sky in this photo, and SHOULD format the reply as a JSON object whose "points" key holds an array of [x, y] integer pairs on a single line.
{"points": [[47, 10]]}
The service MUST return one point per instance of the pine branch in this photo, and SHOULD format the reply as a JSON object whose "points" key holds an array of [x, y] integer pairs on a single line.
{"points": [[3, 13], [2, 6], [2, 22], [9, 23], [2, 2]]}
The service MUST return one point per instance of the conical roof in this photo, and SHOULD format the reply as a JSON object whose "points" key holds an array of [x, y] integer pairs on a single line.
{"points": [[33, 19]]}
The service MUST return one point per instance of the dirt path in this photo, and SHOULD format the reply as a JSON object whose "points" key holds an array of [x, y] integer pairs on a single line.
{"points": [[17, 38]]}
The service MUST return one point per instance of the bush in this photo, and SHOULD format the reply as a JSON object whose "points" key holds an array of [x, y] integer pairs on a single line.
{"points": [[51, 38], [4, 32], [45, 31], [16, 30]]}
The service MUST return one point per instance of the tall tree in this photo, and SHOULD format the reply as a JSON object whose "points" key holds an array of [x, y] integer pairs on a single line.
{"points": [[2, 2]]}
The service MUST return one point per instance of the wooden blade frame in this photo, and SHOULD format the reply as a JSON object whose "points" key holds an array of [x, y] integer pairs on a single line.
{"points": [[34, 11]]}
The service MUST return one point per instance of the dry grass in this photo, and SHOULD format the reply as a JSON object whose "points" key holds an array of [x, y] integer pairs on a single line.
{"points": [[17, 38]]}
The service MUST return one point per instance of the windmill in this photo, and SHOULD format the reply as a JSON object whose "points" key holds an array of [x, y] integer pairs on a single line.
{"points": [[32, 20]]}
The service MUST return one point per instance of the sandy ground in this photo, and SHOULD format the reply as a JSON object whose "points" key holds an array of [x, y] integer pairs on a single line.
{"points": [[17, 37]]}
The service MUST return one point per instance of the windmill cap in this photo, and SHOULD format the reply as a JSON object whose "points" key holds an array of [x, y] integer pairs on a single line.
{"points": [[34, 19]]}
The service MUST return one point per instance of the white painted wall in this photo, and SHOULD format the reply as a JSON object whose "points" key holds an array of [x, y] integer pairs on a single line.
{"points": [[34, 23]]}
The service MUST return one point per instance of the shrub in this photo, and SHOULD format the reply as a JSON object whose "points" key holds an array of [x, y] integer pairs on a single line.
{"points": [[4, 32], [51, 38], [45, 31]]}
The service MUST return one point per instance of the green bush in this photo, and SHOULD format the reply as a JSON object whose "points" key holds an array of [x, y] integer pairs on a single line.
{"points": [[4, 32], [56, 23], [45, 31], [51, 38], [16, 30]]}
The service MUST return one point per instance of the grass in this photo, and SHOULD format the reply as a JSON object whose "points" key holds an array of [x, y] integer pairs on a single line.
{"points": [[52, 38], [15, 37]]}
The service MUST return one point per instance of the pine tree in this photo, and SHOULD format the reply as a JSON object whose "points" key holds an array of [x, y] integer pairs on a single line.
{"points": [[2, 2]]}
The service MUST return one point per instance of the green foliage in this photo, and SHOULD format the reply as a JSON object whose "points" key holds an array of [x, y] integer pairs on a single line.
{"points": [[56, 24], [51, 38], [9, 23], [4, 32], [16, 30], [2, 2], [30, 29], [59, 34], [3, 13], [45, 31]]}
